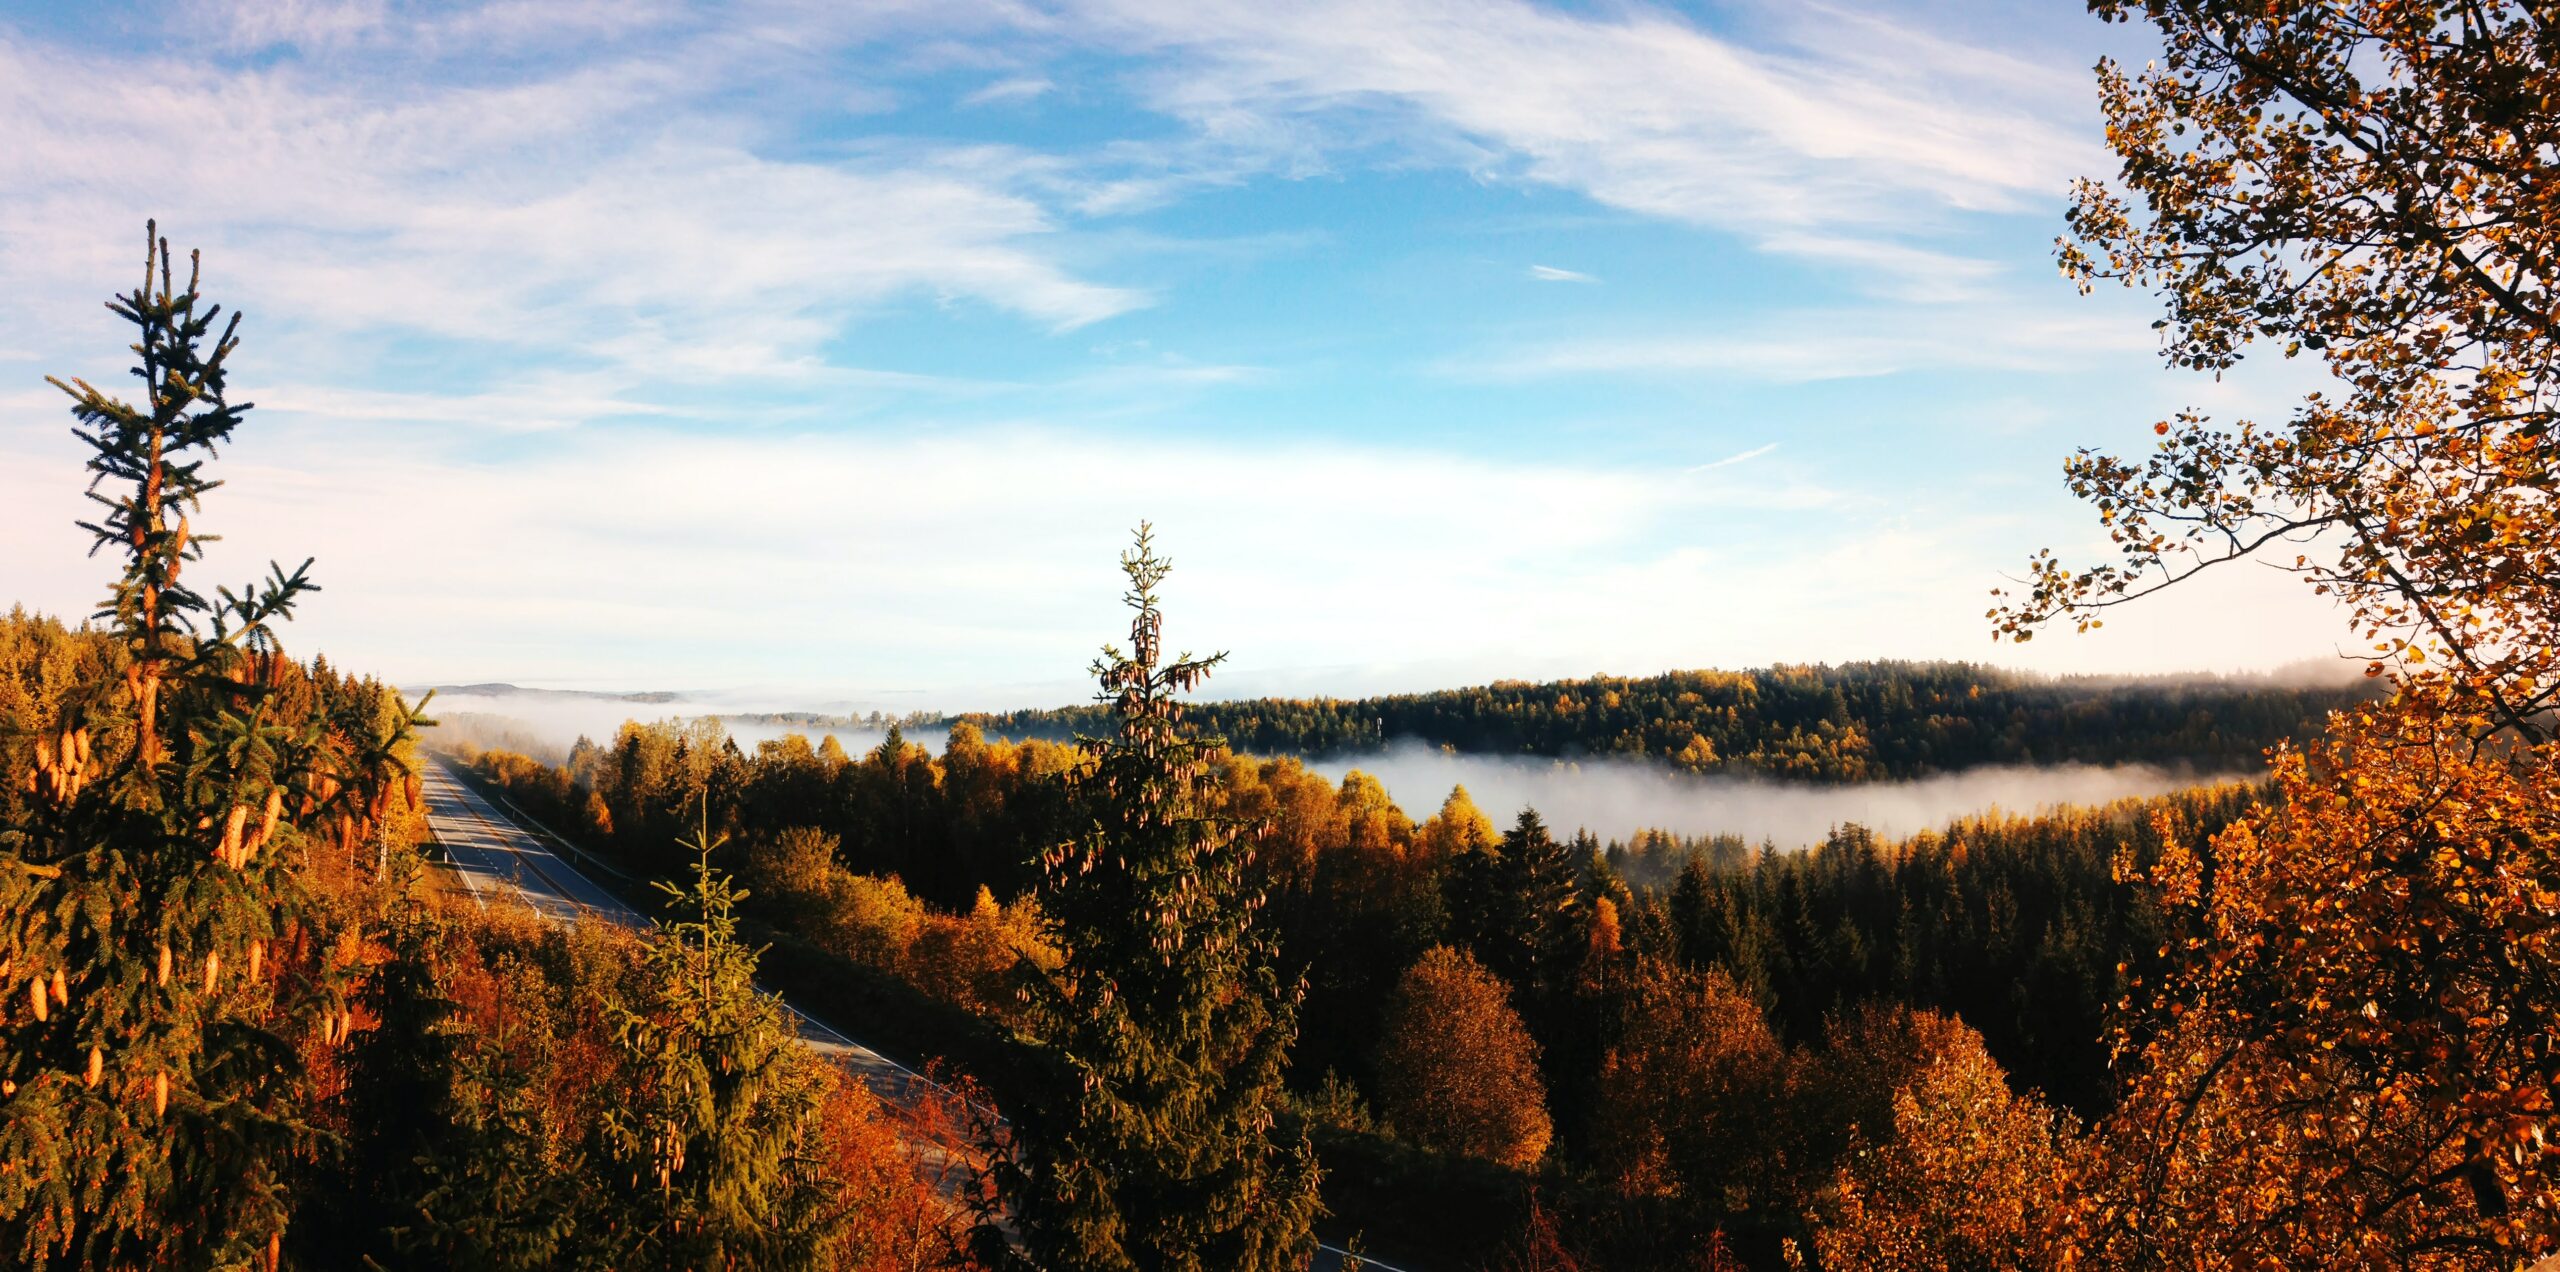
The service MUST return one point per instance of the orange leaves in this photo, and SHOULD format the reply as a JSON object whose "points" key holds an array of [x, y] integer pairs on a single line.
{"points": [[1457, 1071], [2313, 1085], [2338, 1073], [1962, 1174], [1691, 1095], [899, 1177]]}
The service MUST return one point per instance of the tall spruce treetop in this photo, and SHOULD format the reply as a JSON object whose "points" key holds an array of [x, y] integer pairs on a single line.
{"points": [[718, 1141], [160, 956], [1148, 1141], [1539, 900]]}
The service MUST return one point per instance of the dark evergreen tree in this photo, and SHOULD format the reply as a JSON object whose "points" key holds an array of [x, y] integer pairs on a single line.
{"points": [[162, 954], [499, 1192], [1146, 1139], [1543, 892], [401, 1111]]}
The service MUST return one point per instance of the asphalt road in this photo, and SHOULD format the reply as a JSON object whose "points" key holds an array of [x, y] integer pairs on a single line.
{"points": [[496, 853]]}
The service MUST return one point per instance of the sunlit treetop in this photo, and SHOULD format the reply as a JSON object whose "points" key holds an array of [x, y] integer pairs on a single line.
{"points": [[2371, 184]]}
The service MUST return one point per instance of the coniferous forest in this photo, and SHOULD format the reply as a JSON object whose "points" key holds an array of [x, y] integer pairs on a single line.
{"points": [[1175, 1000]]}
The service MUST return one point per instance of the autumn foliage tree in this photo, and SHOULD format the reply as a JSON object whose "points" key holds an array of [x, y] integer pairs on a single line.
{"points": [[1959, 1173], [2367, 182], [166, 966], [1692, 1095], [1147, 1138], [2354, 1063], [2354, 1067], [1457, 1071]]}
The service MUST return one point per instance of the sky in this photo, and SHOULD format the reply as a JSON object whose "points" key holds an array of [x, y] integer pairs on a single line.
{"points": [[825, 353]]}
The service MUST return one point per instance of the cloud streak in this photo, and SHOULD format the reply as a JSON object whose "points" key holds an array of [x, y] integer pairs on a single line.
{"points": [[1834, 134], [1741, 457], [604, 209], [1842, 344]]}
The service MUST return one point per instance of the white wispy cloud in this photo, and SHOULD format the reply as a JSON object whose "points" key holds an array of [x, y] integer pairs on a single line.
{"points": [[1841, 123], [310, 24], [1020, 88], [578, 206], [1895, 270], [1801, 346], [1551, 274], [1742, 457]]}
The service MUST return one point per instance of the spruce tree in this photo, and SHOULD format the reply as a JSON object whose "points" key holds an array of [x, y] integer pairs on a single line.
{"points": [[717, 1141], [159, 959], [1519, 904], [400, 1073], [447, 1163], [1146, 1137]]}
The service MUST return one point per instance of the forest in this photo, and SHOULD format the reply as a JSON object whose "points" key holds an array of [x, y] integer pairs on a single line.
{"points": [[1189, 1004], [1855, 723], [922, 869]]}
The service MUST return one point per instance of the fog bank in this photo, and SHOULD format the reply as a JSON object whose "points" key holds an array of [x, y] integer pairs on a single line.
{"points": [[1616, 798], [545, 724], [1612, 798]]}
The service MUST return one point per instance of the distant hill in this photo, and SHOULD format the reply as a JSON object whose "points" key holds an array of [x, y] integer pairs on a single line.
{"points": [[1848, 723]]}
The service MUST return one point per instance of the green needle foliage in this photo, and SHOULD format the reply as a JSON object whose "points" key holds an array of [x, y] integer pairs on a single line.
{"points": [[1520, 905], [162, 969], [719, 1141], [1147, 1141]]}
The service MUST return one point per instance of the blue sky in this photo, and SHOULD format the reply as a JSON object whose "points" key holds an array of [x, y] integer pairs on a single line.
{"points": [[822, 351]]}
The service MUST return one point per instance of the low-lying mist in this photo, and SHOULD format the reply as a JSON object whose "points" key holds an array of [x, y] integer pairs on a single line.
{"points": [[1616, 798], [545, 725], [1611, 798]]}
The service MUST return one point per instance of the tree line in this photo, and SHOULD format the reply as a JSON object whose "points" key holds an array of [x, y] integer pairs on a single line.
{"points": [[1856, 722]]}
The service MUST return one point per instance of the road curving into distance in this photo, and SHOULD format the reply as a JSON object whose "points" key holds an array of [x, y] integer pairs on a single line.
{"points": [[496, 853]]}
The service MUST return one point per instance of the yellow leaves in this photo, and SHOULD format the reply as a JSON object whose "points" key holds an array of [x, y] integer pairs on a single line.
{"points": [[2372, 873]]}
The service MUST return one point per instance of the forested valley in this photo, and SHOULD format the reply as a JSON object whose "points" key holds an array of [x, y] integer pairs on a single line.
{"points": [[1495, 1008], [1186, 1003]]}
